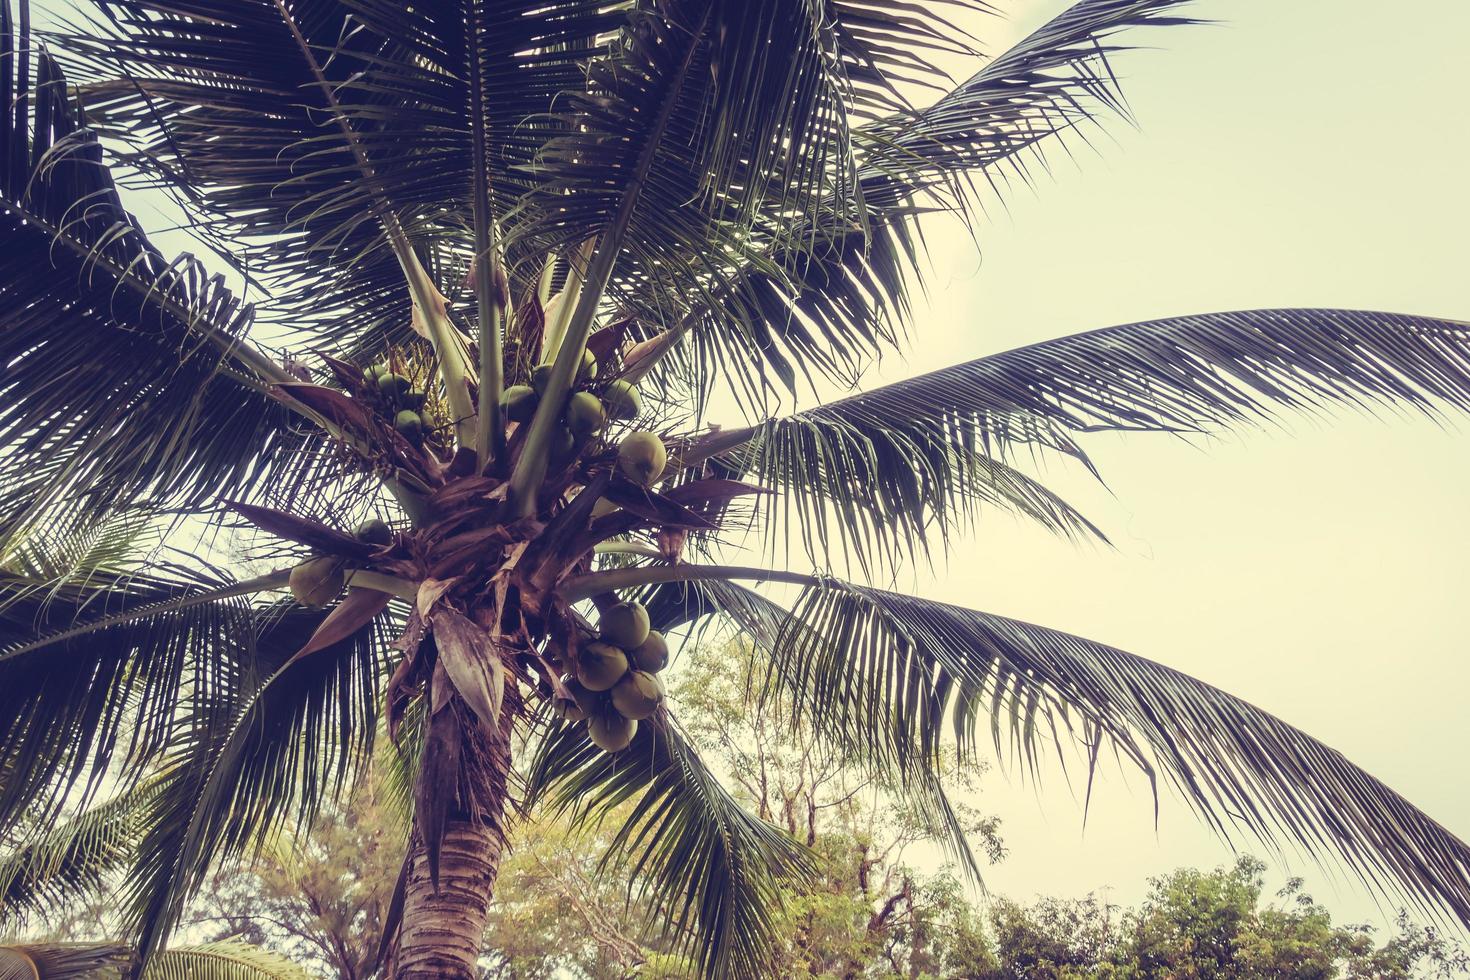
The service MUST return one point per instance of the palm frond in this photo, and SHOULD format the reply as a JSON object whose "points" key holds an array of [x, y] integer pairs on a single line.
{"points": [[1047, 86], [92, 672], [223, 106], [64, 961], [711, 865], [884, 675], [227, 959], [73, 859], [244, 761], [127, 377], [1183, 374]]}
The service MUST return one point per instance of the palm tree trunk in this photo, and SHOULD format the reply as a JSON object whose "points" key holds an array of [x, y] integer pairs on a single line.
{"points": [[443, 929], [443, 932]]}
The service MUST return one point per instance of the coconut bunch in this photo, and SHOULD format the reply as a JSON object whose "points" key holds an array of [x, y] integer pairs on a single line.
{"points": [[495, 571], [615, 684]]}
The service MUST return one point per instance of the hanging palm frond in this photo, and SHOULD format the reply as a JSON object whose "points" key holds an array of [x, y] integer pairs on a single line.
{"points": [[64, 961], [127, 378], [714, 867], [227, 959], [894, 679]]}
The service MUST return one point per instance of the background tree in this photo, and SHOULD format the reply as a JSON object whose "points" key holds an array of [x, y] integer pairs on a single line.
{"points": [[514, 251]]}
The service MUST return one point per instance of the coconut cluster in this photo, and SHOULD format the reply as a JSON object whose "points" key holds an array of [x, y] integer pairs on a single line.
{"points": [[399, 400], [588, 410], [616, 684]]}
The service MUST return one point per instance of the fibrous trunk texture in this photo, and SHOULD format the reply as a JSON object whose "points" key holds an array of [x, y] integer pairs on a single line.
{"points": [[443, 928]]}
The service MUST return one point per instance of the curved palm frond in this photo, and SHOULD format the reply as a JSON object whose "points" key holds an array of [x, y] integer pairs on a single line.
{"points": [[64, 961], [878, 469], [128, 378], [92, 671], [73, 859], [245, 760], [892, 679], [228, 959], [228, 109], [712, 865], [843, 295]]}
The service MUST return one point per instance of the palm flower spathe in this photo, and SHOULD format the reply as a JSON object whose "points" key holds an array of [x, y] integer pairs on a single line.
{"points": [[513, 250]]}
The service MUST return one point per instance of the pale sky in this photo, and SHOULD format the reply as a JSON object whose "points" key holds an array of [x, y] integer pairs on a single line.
{"points": [[1304, 153]]}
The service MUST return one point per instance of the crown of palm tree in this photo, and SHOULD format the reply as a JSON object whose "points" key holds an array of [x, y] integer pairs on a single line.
{"points": [[712, 199]]}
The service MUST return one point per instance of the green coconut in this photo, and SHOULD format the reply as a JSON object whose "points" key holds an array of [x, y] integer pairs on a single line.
{"points": [[392, 386], [622, 400], [540, 378], [642, 458], [414, 398], [610, 731], [587, 370], [519, 402], [568, 709], [625, 625], [375, 532], [375, 371], [584, 414], [652, 654], [600, 666], [588, 701], [317, 581], [410, 424], [637, 695]]}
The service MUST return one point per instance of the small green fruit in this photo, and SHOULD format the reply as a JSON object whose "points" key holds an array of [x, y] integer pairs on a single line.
{"points": [[318, 581], [375, 532], [637, 695], [519, 402], [652, 654], [587, 370], [410, 424], [642, 458], [625, 625], [584, 414], [610, 731], [600, 666], [569, 710], [392, 385], [540, 377], [375, 371], [622, 400], [414, 398], [588, 701]]}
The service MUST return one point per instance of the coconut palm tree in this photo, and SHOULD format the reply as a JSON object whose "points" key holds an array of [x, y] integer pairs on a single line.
{"points": [[505, 258]]}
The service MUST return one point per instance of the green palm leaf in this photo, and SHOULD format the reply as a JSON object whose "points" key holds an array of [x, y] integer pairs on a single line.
{"points": [[892, 679], [224, 960], [687, 840], [127, 377]]}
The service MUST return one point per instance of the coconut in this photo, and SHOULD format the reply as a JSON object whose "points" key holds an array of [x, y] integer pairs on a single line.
{"points": [[637, 695], [652, 654], [587, 370], [392, 385], [568, 709], [540, 377], [625, 625], [375, 532], [374, 371], [584, 414], [519, 402], [600, 666], [588, 701], [610, 731], [622, 400], [414, 398], [642, 457], [317, 581], [410, 424]]}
